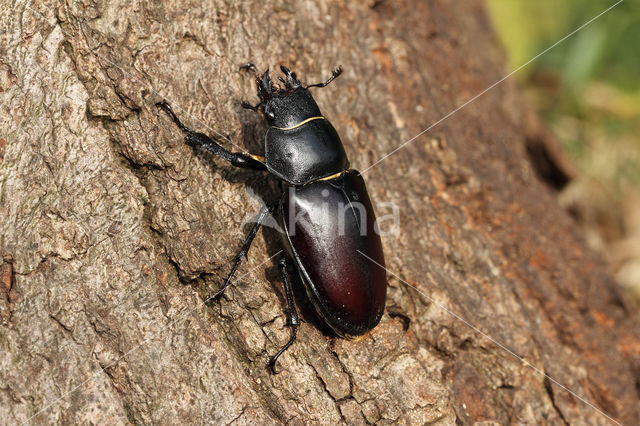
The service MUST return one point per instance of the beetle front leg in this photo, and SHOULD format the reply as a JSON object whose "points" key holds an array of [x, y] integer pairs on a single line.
{"points": [[200, 140], [292, 314], [243, 251]]}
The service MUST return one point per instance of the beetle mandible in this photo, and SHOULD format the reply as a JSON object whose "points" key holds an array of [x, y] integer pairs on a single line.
{"points": [[304, 151]]}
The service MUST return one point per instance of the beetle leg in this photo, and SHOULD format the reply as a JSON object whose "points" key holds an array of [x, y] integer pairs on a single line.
{"points": [[292, 314], [200, 140], [243, 251], [335, 74]]}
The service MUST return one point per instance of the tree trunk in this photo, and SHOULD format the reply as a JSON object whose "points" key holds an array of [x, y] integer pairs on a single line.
{"points": [[114, 231]]}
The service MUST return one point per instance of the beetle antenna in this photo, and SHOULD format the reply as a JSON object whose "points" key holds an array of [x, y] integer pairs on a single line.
{"points": [[335, 74], [247, 105], [250, 67]]}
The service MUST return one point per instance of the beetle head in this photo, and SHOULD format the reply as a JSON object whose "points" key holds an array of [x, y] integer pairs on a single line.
{"points": [[289, 104]]}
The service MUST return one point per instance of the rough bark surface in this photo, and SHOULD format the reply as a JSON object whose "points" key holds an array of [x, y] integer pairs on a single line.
{"points": [[113, 231]]}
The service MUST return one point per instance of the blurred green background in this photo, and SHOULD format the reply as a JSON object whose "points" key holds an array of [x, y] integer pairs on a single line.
{"points": [[587, 90]]}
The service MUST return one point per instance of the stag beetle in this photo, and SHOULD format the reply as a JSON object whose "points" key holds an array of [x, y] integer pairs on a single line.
{"points": [[324, 212]]}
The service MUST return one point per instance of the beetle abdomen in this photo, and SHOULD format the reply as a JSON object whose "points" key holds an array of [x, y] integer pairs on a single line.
{"points": [[327, 223], [303, 153]]}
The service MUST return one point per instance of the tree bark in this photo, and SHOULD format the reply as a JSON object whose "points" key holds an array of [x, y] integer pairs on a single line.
{"points": [[114, 231]]}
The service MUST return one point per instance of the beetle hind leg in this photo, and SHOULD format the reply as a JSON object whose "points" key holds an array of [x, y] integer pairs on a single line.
{"points": [[292, 314]]}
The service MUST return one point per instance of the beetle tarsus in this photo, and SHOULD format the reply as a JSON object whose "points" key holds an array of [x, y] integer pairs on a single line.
{"points": [[272, 362], [292, 313]]}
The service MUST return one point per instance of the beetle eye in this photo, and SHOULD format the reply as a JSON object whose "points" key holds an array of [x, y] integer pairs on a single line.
{"points": [[270, 115]]}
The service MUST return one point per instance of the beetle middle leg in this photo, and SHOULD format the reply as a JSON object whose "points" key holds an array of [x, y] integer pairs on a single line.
{"points": [[200, 140], [292, 314], [243, 251]]}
